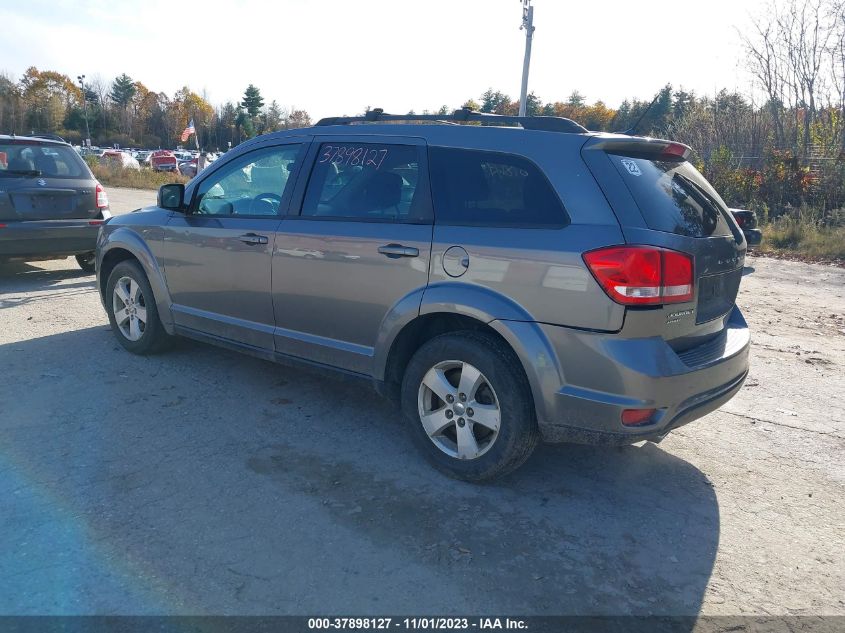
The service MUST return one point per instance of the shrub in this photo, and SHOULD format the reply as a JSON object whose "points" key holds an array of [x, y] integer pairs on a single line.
{"points": [[804, 238], [117, 176]]}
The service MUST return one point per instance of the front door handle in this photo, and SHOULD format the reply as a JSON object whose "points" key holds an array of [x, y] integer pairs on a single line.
{"points": [[394, 251], [253, 239]]}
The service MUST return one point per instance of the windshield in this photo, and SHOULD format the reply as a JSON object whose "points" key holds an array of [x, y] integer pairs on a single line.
{"points": [[673, 196], [53, 161]]}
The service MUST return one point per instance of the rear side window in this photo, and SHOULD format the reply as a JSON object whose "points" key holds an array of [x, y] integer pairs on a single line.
{"points": [[51, 161], [476, 188], [673, 196], [366, 181]]}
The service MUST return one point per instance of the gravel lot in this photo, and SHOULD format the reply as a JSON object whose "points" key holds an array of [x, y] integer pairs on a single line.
{"points": [[203, 482]]}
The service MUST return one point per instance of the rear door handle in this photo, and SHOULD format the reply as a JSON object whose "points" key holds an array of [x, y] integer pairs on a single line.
{"points": [[253, 239], [394, 251]]}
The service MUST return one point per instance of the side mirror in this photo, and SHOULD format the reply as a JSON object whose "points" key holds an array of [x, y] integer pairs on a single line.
{"points": [[172, 197]]}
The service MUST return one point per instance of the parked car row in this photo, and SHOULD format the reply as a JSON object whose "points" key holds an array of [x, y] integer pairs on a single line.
{"points": [[181, 161]]}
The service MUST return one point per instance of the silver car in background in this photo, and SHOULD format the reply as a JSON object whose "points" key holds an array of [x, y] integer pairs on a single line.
{"points": [[502, 284]]}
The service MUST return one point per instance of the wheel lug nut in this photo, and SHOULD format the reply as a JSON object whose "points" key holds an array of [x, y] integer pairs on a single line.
{"points": [[450, 398], [449, 414], [470, 412], [461, 422], [463, 397]]}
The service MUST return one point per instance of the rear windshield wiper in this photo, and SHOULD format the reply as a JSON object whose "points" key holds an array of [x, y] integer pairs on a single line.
{"points": [[704, 198], [20, 172]]}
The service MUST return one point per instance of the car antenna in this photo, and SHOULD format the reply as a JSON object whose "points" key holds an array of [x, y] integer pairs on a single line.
{"points": [[633, 129]]}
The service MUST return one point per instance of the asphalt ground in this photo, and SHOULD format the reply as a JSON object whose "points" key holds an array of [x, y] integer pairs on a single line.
{"points": [[201, 481]]}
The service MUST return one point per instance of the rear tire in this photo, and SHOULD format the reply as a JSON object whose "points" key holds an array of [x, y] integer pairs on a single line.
{"points": [[484, 425], [132, 310], [87, 262]]}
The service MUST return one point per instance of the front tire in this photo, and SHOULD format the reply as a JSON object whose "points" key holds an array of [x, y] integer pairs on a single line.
{"points": [[132, 310], [469, 406], [87, 262]]}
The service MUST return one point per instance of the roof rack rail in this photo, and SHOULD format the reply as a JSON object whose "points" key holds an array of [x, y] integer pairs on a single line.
{"points": [[463, 115], [49, 137]]}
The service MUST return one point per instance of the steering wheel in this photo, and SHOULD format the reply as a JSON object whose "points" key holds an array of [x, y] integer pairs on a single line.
{"points": [[271, 199]]}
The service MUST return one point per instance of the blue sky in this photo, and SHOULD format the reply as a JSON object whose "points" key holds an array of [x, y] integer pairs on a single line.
{"points": [[337, 57]]}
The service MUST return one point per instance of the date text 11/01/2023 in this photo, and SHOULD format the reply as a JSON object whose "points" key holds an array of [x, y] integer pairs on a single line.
{"points": [[424, 623]]}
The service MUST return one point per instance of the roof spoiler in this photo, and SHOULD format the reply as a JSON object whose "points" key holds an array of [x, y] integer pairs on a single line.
{"points": [[638, 145]]}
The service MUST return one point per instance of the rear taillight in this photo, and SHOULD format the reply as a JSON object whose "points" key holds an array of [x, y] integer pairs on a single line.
{"points": [[102, 198], [642, 275], [740, 220]]}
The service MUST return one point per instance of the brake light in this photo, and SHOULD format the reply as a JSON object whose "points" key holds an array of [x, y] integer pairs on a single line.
{"points": [[102, 198], [642, 275], [675, 150], [740, 220]]}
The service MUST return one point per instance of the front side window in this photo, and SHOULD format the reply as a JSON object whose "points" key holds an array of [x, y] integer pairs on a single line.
{"points": [[476, 188], [252, 185], [366, 181], [52, 161]]}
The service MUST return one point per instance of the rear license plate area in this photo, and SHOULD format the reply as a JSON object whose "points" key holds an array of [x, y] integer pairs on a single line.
{"points": [[717, 294]]}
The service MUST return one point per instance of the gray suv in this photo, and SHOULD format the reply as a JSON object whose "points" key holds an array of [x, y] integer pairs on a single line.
{"points": [[51, 206], [507, 280]]}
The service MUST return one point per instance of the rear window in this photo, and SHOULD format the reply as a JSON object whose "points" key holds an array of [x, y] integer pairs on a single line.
{"points": [[673, 196], [476, 188], [51, 161]]}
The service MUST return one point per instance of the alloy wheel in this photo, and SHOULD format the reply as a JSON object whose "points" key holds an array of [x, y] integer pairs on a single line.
{"points": [[459, 409], [129, 307]]}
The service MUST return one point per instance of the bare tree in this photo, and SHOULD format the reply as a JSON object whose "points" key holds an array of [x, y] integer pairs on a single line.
{"points": [[763, 50], [101, 88], [837, 66], [809, 34], [792, 52]]}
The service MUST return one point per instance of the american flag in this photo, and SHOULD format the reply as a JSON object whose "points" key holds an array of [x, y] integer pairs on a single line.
{"points": [[188, 131]]}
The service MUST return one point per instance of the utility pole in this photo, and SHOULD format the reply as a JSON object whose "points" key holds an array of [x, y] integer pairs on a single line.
{"points": [[81, 79], [528, 25]]}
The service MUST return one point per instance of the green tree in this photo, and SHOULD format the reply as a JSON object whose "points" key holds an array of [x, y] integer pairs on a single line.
{"points": [[299, 118], [252, 101], [122, 90], [273, 118], [494, 101], [243, 122], [533, 105], [576, 99], [683, 103]]}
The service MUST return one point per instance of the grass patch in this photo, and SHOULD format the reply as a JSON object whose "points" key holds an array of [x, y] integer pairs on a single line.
{"points": [[805, 239], [116, 176]]}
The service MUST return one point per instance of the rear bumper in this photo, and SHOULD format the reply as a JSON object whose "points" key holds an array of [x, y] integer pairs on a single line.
{"points": [[604, 375], [753, 236], [47, 238]]}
